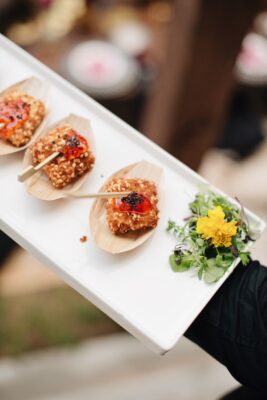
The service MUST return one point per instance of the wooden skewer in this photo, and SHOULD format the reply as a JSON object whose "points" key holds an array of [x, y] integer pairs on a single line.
{"points": [[106, 195], [31, 170]]}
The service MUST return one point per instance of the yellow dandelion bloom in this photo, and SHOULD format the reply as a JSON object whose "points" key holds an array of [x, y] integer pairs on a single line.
{"points": [[214, 227]]}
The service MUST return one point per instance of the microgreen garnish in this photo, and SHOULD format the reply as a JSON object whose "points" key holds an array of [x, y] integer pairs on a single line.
{"points": [[213, 236]]}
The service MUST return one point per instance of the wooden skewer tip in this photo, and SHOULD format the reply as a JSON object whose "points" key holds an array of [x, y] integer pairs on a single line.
{"points": [[31, 170]]}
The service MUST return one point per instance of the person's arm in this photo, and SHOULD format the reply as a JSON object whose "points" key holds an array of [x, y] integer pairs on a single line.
{"points": [[233, 326]]}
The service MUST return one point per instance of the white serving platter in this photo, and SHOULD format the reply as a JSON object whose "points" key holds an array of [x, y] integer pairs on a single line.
{"points": [[137, 289]]}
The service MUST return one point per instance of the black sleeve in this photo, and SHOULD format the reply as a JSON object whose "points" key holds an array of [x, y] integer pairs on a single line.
{"points": [[233, 326]]}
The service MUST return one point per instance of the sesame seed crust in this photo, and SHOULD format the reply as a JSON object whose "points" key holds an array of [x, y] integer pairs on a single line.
{"points": [[23, 134], [122, 222], [60, 171]]}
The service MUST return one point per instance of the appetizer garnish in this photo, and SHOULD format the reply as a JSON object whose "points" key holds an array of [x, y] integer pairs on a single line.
{"points": [[138, 210], [213, 237], [20, 116], [134, 202], [76, 145], [74, 160]]}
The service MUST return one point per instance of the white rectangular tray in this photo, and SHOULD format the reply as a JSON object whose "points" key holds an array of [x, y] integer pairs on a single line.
{"points": [[137, 289]]}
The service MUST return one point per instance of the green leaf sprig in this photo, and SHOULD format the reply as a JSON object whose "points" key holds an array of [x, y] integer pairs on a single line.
{"points": [[195, 251]]}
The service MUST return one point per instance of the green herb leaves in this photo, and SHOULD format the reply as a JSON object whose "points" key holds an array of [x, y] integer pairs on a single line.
{"points": [[207, 256], [180, 263]]}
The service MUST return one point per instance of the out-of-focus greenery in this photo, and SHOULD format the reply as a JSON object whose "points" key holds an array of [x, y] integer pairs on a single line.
{"points": [[53, 318]]}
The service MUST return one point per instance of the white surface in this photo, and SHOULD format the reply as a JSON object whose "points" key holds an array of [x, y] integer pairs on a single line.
{"points": [[251, 64], [102, 69], [132, 37], [137, 289]]}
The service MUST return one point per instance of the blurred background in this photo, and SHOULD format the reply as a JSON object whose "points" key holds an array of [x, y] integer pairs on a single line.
{"points": [[192, 76]]}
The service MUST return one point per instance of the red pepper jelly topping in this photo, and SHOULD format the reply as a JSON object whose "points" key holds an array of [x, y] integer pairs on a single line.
{"points": [[13, 114], [134, 202], [75, 146]]}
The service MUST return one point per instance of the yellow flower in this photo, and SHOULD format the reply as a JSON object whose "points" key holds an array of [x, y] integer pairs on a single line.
{"points": [[214, 227]]}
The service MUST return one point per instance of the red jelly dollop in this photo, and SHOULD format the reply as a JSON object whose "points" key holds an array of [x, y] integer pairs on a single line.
{"points": [[134, 202], [13, 114], [75, 146]]}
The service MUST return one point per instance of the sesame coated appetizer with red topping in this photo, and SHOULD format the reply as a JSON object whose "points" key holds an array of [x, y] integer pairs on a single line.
{"points": [[20, 116], [75, 156], [137, 210]]}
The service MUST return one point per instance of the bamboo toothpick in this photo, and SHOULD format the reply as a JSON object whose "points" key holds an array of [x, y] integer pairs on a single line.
{"points": [[106, 195], [31, 170]]}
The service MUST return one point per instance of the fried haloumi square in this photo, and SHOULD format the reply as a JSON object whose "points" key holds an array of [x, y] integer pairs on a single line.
{"points": [[136, 211], [75, 157], [23, 114]]}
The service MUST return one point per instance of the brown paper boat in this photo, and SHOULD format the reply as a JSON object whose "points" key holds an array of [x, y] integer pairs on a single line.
{"points": [[37, 89], [102, 235], [39, 185]]}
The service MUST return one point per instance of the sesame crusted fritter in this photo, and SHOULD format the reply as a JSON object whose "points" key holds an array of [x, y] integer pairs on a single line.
{"points": [[23, 133], [122, 222], [62, 170]]}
